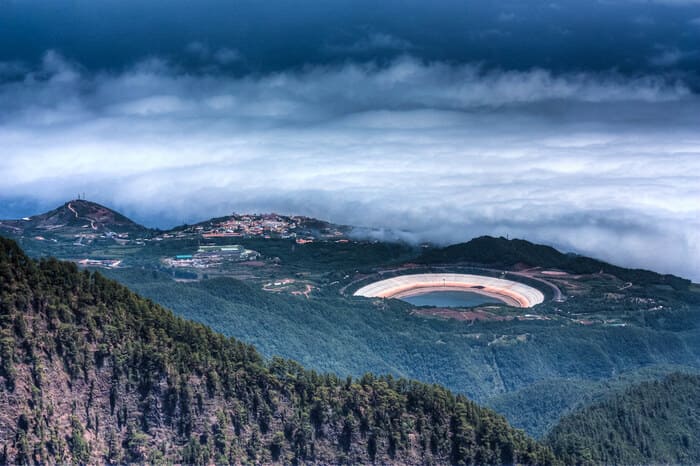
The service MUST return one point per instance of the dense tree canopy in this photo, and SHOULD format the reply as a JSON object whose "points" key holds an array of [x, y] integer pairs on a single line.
{"points": [[652, 423], [90, 372]]}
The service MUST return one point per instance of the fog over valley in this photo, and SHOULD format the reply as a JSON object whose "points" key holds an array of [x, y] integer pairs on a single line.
{"points": [[401, 232], [370, 124]]}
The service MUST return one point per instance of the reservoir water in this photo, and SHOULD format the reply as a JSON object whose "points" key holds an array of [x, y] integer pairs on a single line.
{"points": [[450, 299]]}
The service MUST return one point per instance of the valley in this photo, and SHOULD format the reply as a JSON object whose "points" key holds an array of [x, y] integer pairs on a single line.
{"points": [[91, 373], [311, 232], [286, 285]]}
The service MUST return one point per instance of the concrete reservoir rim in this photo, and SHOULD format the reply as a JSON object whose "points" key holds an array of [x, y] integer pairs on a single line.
{"points": [[510, 292]]}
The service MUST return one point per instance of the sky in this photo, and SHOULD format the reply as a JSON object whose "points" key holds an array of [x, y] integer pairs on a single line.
{"points": [[571, 123]]}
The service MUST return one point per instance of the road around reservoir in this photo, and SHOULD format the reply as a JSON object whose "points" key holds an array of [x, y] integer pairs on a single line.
{"points": [[510, 292]]}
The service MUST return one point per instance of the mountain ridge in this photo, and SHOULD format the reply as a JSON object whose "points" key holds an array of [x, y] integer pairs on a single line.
{"points": [[504, 252], [92, 373], [80, 217], [74, 217], [654, 422]]}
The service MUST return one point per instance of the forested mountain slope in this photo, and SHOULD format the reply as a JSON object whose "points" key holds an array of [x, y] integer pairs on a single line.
{"points": [[91, 373], [652, 423], [502, 252], [483, 360]]}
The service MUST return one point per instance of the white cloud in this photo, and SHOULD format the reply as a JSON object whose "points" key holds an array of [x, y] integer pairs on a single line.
{"points": [[600, 164]]}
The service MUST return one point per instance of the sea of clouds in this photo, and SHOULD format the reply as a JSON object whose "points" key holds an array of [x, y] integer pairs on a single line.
{"points": [[597, 163]]}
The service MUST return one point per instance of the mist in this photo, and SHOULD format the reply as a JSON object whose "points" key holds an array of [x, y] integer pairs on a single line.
{"points": [[600, 163]]}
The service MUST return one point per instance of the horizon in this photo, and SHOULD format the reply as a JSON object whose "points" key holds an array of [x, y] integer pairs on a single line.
{"points": [[370, 234], [350, 232], [562, 123]]}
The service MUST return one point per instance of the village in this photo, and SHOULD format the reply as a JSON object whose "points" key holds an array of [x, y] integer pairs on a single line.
{"points": [[211, 256], [267, 226], [211, 252]]}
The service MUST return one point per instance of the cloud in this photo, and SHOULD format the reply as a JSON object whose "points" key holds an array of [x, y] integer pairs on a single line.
{"points": [[11, 70], [597, 163], [670, 3], [372, 42], [677, 2], [506, 17], [670, 57], [226, 56], [220, 56], [385, 41]]}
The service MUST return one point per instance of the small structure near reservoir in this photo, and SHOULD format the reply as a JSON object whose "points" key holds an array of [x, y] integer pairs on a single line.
{"points": [[213, 256]]}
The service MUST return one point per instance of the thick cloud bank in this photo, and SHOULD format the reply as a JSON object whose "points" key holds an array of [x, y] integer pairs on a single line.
{"points": [[602, 164]]}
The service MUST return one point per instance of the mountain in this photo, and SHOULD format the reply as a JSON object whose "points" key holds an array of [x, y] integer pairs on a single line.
{"points": [[651, 423], [92, 373], [75, 217], [502, 252], [532, 366], [92, 223]]}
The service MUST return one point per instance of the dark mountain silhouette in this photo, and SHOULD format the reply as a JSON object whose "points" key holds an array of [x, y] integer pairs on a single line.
{"points": [[502, 252]]}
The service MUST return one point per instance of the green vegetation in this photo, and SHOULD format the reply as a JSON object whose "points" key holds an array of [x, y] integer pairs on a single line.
{"points": [[91, 372], [503, 364], [653, 422], [504, 253], [331, 256], [613, 329], [537, 408]]}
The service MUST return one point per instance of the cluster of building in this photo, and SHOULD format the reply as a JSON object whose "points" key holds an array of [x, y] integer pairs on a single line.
{"points": [[255, 225], [264, 226], [103, 263], [300, 229], [85, 239], [212, 256]]}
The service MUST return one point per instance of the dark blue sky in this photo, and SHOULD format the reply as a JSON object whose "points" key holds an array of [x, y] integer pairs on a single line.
{"points": [[568, 35]]}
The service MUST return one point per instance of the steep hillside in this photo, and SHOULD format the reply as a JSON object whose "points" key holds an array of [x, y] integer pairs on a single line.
{"points": [[502, 252], [73, 217], [653, 422], [539, 407], [90, 372]]}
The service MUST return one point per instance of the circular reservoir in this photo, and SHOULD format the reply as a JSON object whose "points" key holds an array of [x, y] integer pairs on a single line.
{"points": [[450, 299], [448, 287]]}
